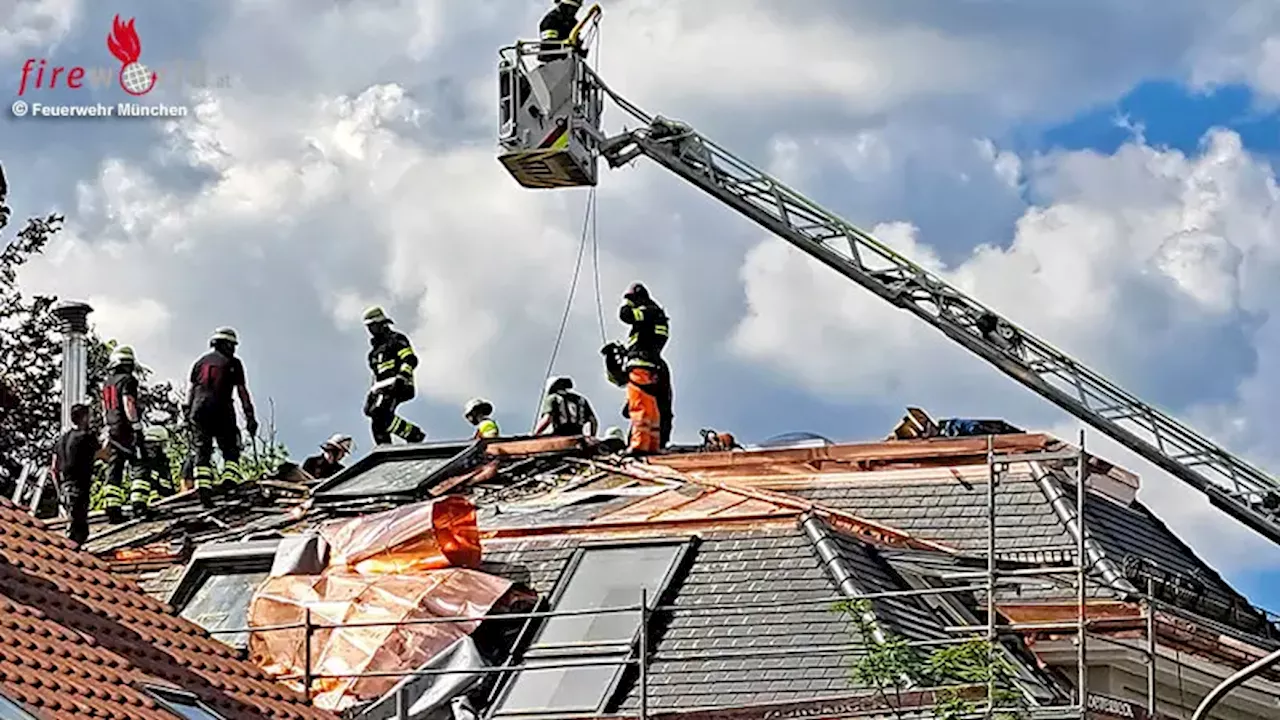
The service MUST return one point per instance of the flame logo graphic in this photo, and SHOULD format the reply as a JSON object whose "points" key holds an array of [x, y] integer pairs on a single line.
{"points": [[124, 44]]}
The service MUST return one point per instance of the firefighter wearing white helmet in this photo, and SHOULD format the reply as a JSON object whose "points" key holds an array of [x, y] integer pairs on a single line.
{"points": [[565, 412], [479, 412], [556, 27], [392, 361], [329, 462], [122, 425], [215, 378]]}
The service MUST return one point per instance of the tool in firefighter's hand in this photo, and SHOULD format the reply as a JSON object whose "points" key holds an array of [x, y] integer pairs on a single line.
{"points": [[379, 395], [253, 452]]}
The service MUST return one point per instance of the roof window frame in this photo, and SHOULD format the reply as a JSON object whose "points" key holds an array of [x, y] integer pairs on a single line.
{"points": [[8, 704], [456, 456], [532, 656], [170, 697], [221, 558]]}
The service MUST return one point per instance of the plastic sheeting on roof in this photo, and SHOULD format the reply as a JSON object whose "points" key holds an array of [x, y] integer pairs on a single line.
{"points": [[394, 568]]}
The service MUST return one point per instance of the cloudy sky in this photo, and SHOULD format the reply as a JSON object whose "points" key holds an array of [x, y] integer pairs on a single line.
{"points": [[1100, 172]]}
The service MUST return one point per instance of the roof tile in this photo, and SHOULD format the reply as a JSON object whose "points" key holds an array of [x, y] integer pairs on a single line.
{"points": [[77, 641]]}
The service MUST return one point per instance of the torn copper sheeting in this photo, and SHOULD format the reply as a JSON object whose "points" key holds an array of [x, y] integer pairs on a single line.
{"points": [[535, 446], [672, 528], [424, 536], [146, 553], [708, 506], [343, 597], [911, 477], [842, 458], [485, 472]]}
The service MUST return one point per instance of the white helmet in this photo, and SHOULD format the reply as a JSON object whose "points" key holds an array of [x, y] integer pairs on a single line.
{"points": [[156, 434], [614, 433], [339, 442], [224, 334], [476, 406], [122, 355]]}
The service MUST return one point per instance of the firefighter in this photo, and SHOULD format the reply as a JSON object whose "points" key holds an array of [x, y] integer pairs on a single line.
{"points": [[642, 352], [73, 466], [155, 463], [211, 413], [565, 412], [122, 420], [478, 412], [329, 462], [392, 361], [556, 27]]}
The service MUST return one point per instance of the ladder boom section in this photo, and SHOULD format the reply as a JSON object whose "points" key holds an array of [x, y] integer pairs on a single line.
{"points": [[1233, 485]]}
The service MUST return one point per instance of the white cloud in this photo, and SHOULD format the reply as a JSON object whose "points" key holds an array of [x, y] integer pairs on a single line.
{"points": [[1141, 263], [1119, 238], [142, 320], [34, 24]]}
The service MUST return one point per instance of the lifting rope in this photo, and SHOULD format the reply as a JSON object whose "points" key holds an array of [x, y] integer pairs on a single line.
{"points": [[589, 232], [589, 227]]}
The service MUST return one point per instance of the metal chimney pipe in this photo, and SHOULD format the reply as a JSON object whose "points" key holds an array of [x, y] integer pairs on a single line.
{"points": [[73, 323]]}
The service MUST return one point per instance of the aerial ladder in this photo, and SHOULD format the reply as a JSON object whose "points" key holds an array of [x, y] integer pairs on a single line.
{"points": [[550, 132]]}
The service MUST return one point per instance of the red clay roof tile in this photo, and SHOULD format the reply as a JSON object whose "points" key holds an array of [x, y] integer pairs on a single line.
{"points": [[78, 642]]}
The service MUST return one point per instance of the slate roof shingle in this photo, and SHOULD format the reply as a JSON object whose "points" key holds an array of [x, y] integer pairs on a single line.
{"points": [[78, 641], [770, 566]]}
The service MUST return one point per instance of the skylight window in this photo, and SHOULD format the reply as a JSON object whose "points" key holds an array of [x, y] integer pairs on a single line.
{"points": [[219, 583], [597, 577], [401, 474], [222, 603], [10, 710], [183, 704]]}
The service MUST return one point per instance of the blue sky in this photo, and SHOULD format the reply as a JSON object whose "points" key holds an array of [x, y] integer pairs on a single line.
{"points": [[350, 161]]}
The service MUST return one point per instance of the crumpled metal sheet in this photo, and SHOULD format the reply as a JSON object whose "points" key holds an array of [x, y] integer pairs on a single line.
{"points": [[423, 536], [384, 571], [430, 696]]}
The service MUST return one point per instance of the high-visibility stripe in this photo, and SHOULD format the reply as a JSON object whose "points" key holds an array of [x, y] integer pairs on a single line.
{"points": [[550, 35], [557, 138], [204, 477], [405, 352], [231, 472], [487, 428], [386, 365]]}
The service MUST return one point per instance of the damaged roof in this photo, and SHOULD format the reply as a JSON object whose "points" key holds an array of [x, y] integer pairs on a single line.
{"points": [[786, 532]]}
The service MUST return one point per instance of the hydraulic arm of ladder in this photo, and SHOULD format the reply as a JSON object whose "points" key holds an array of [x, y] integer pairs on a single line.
{"points": [[1241, 490]]}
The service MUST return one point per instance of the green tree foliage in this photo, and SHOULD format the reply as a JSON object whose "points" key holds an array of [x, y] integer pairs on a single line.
{"points": [[29, 352], [31, 367], [891, 665]]}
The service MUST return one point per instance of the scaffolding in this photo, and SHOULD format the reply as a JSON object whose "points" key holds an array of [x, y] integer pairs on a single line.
{"points": [[988, 581]]}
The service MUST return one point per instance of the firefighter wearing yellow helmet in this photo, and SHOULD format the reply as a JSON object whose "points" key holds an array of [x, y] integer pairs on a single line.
{"points": [[215, 378], [392, 361]]}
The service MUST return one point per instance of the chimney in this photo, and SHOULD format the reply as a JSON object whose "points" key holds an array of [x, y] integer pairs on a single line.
{"points": [[73, 323]]}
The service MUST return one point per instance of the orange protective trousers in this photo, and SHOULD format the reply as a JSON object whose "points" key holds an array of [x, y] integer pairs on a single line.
{"points": [[642, 407]]}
